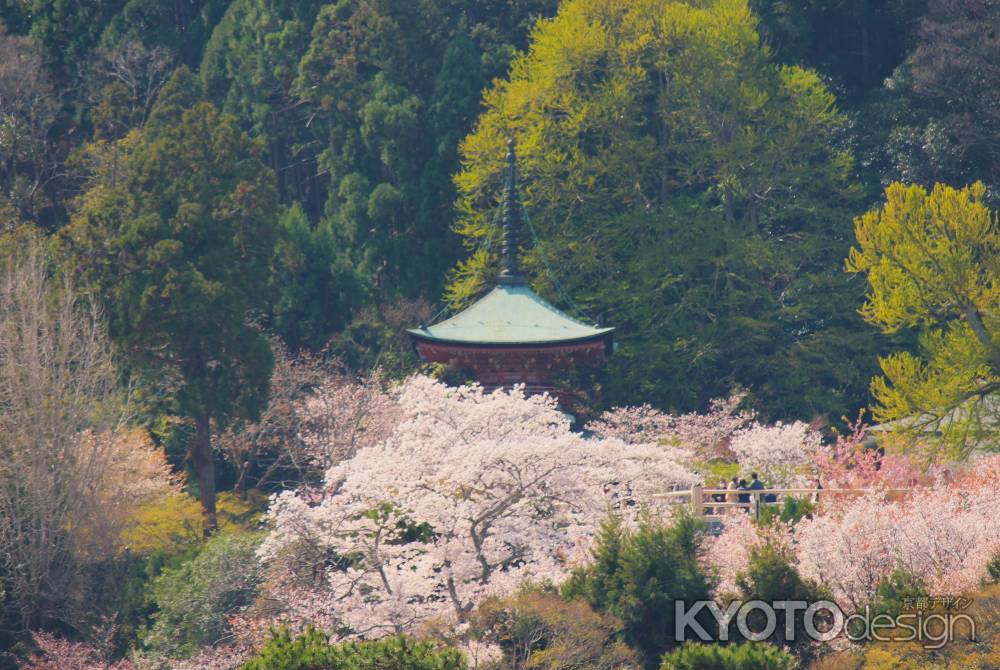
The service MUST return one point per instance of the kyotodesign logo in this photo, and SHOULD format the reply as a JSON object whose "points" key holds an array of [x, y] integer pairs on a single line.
{"points": [[821, 621]]}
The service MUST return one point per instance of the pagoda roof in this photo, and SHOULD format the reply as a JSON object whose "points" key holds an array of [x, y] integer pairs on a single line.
{"points": [[510, 315]]}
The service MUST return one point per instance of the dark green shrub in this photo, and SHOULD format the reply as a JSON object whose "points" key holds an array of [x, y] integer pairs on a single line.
{"points": [[993, 568], [313, 651], [771, 577], [792, 510], [896, 594], [748, 656], [638, 576], [194, 600]]}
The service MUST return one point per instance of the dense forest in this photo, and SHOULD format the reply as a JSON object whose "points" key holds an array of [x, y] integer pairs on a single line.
{"points": [[209, 209], [375, 131]]}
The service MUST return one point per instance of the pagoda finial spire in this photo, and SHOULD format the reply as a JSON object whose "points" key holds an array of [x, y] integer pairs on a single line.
{"points": [[511, 273]]}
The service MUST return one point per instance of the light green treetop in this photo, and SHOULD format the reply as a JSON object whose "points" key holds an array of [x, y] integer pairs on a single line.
{"points": [[933, 263], [685, 188]]}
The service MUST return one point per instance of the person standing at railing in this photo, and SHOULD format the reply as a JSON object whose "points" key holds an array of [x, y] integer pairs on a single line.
{"points": [[733, 485], [717, 498], [757, 485], [744, 497], [819, 487]]}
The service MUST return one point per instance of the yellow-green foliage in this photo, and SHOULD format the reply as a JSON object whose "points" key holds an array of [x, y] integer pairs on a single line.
{"points": [[722, 471], [176, 523], [538, 629], [620, 104], [933, 262]]}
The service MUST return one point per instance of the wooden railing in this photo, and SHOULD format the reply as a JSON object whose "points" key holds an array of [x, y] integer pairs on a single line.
{"points": [[702, 505]]}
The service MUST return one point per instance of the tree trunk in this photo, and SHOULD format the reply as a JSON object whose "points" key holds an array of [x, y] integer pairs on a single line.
{"points": [[200, 451]]}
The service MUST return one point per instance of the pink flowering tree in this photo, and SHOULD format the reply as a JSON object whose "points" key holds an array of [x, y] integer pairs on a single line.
{"points": [[344, 415], [728, 554], [473, 493], [945, 534], [850, 549], [852, 463], [220, 657], [781, 453], [58, 654], [317, 415], [641, 423], [706, 435]]}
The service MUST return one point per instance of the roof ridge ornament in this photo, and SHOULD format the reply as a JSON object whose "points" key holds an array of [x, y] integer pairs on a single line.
{"points": [[511, 273]]}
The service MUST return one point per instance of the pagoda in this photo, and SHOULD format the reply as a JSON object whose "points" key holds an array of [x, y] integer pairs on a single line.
{"points": [[511, 335]]}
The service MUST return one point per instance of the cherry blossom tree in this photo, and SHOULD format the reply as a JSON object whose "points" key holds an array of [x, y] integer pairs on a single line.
{"points": [[641, 423], [344, 415], [860, 530], [706, 435], [728, 554], [59, 654], [220, 657], [945, 534], [263, 451], [317, 415], [852, 463], [473, 493], [55, 653], [779, 453]]}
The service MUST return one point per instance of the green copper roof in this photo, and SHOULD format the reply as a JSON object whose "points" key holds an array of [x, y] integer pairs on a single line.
{"points": [[509, 314]]}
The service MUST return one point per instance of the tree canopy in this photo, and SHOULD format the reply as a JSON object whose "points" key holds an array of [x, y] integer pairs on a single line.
{"points": [[690, 172], [686, 188], [932, 264], [177, 242]]}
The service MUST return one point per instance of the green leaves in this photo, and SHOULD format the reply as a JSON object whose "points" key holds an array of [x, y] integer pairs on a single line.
{"points": [[179, 251], [314, 287], [637, 576], [313, 651], [190, 232], [747, 656], [687, 190], [391, 87], [195, 599]]}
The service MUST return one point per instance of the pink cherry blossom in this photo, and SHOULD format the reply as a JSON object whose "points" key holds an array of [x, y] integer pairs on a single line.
{"points": [[509, 491], [728, 554], [945, 534], [59, 654], [780, 453], [852, 463], [344, 415], [706, 435]]}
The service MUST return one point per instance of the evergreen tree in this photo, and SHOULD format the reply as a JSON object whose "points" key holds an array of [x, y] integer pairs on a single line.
{"points": [[179, 250], [248, 69], [638, 576], [932, 265], [313, 287], [936, 120], [183, 27], [390, 87], [857, 43]]}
